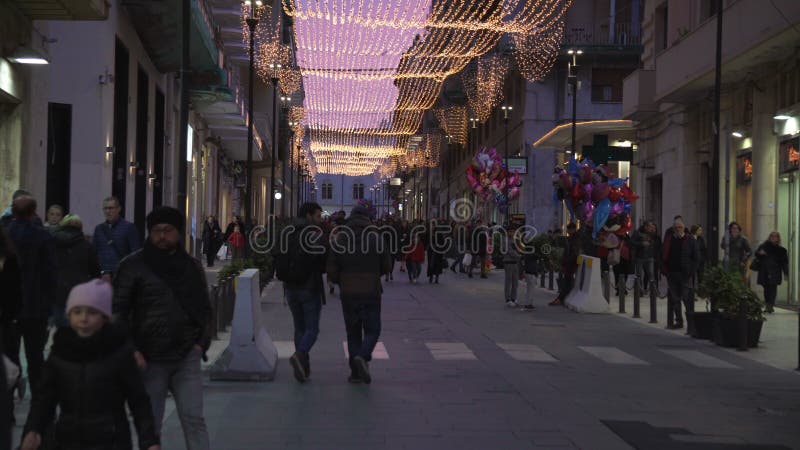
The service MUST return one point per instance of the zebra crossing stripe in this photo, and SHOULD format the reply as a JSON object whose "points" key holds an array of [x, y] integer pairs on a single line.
{"points": [[700, 359], [527, 353], [613, 355], [450, 351]]}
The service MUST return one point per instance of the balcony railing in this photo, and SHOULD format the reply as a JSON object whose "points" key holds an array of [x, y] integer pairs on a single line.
{"points": [[593, 34]]}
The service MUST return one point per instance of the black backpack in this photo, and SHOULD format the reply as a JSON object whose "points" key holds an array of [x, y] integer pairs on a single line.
{"points": [[293, 266]]}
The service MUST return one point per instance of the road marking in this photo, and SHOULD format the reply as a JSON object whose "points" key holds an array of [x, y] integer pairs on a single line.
{"points": [[525, 352], [450, 351], [613, 355], [700, 359], [379, 352], [285, 349]]}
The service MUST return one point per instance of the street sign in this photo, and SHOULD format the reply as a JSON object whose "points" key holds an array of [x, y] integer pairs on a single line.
{"points": [[519, 164]]}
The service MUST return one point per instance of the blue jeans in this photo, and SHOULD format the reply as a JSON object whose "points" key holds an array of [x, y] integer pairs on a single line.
{"points": [[306, 307], [363, 324], [414, 269]]}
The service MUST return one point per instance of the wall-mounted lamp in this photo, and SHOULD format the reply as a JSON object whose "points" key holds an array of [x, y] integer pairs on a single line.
{"points": [[278, 195], [737, 134], [106, 78], [782, 117], [27, 55], [134, 164], [152, 177], [109, 149]]}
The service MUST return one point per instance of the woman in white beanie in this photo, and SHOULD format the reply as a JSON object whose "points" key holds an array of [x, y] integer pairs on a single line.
{"points": [[89, 375]]}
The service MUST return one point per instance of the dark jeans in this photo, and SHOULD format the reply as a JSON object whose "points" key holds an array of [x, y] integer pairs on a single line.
{"points": [[34, 333], [210, 256], [770, 292], [567, 281], [306, 307], [679, 293], [363, 324], [414, 269]]}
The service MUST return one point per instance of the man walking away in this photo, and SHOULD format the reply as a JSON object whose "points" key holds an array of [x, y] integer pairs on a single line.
{"points": [[511, 260], [678, 259], [531, 268], [212, 239], [359, 277], [114, 239], [300, 269], [160, 293], [36, 258]]}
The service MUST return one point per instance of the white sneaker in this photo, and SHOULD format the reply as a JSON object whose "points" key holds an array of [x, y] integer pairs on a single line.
{"points": [[510, 304]]}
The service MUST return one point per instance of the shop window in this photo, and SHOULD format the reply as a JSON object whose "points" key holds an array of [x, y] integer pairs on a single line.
{"points": [[358, 191], [327, 190]]}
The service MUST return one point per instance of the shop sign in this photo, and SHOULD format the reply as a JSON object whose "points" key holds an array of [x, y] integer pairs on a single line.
{"points": [[519, 164], [744, 169], [789, 155], [516, 221]]}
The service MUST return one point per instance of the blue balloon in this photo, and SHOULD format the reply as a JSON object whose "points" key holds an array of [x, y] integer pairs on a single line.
{"points": [[617, 182], [601, 212], [627, 208], [573, 168], [571, 211]]}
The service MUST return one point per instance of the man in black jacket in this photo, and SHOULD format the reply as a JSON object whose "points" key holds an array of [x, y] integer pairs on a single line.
{"points": [[679, 260], [160, 293], [357, 266], [305, 292], [37, 263]]}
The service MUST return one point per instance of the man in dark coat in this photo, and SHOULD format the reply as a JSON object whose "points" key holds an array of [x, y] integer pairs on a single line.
{"points": [[212, 236], [160, 293], [36, 258], [114, 239], [678, 262], [358, 274]]}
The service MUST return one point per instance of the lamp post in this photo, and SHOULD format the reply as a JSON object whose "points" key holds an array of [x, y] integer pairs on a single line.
{"points": [[274, 67], [252, 21], [506, 110], [572, 80]]}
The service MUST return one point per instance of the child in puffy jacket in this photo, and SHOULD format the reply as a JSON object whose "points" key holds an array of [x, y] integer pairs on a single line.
{"points": [[90, 375], [236, 240]]}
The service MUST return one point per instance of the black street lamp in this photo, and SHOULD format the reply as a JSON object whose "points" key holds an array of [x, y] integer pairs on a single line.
{"points": [[572, 81], [252, 21], [506, 110], [274, 67]]}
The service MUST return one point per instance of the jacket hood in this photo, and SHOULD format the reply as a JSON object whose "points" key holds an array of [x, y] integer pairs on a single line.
{"points": [[71, 347], [67, 236], [358, 220]]}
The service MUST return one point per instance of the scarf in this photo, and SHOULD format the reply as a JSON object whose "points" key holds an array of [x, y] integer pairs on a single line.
{"points": [[176, 269]]}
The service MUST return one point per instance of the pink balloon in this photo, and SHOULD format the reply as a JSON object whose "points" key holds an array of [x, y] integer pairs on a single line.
{"points": [[616, 209], [587, 192], [588, 209], [513, 193]]}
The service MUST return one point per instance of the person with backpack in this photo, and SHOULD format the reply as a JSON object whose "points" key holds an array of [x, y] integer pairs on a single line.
{"points": [[301, 268]]}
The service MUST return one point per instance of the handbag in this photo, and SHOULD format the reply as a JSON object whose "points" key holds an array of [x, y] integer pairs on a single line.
{"points": [[467, 259], [755, 264], [222, 253]]}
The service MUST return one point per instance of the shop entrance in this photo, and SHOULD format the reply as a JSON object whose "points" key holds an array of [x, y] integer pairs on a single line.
{"points": [[788, 211]]}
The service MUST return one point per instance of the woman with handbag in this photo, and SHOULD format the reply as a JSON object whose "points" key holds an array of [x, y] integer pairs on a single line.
{"points": [[772, 260]]}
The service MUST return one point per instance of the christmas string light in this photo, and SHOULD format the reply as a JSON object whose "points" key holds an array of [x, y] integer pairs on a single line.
{"points": [[484, 83], [537, 53], [454, 122]]}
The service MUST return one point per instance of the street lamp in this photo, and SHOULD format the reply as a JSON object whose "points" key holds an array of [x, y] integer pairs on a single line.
{"points": [[506, 110], [274, 68], [252, 21], [572, 80]]}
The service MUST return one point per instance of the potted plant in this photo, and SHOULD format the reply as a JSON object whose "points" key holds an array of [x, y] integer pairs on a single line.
{"points": [[726, 324], [717, 282]]}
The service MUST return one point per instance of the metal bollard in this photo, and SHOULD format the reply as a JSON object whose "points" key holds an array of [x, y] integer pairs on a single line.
{"points": [[214, 294], [653, 296], [637, 297], [742, 325], [606, 280], [551, 282], [621, 288], [541, 280]]}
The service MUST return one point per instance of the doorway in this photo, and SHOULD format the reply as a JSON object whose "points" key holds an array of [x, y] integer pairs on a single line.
{"points": [[140, 168], [158, 151], [59, 139], [653, 203], [120, 160], [788, 211]]}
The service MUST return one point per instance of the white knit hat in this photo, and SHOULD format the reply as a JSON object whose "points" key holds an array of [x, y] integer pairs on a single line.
{"points": [[95, 294]]}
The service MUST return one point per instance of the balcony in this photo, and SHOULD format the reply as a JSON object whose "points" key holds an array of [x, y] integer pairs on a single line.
{"points": [[752, 35], [63, 9], [598, 35], [638, 90], [160, 22]]}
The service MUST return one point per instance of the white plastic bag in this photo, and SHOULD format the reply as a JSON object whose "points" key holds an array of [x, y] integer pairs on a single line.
{"points": [[467, 259], [12, 373], [222, 253]]}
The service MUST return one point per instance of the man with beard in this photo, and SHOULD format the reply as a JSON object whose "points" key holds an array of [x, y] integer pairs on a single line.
{"points": [[160, 293]]}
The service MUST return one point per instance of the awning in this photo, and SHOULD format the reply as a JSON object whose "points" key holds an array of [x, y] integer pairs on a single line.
{"points": [[561, 135]]}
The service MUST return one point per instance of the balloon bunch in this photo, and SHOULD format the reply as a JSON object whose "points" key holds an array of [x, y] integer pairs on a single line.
{"points": [[594, 196], [489, 177]]}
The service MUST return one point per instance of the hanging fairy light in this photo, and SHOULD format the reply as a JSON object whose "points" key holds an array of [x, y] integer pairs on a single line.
{"points": [[483, 84], [454, 122], [537, 53]]}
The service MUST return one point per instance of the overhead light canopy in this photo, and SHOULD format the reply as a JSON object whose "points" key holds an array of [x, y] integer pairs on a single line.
{"points": [[27, 55], [737, 134], [782, 117]]}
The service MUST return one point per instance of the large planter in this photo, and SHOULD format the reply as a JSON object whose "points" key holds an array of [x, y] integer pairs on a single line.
{"points": [[701, 324], [726, 332]]}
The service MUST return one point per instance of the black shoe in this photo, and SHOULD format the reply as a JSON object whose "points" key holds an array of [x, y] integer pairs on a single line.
{"points": [[362, 369], [470, 275], [354, 379], [436, 280], [306, 361], [297, 365], [770, 309], [528, 308]]}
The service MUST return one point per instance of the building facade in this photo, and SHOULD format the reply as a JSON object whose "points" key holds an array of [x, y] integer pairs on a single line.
{"points": [[754, 180]]}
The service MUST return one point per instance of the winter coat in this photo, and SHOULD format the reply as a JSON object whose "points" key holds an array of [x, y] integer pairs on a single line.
{"points": [[163, 300], [417, 254], [37, 263], [114, 241], [311, 260], [212, 235], [572, 249], [11, 287], [737, 251], [688, 259], [645, 245], [511, 255], [90, 380], [702, 251], [236, 239], [358, 273], [773, 264], [76, 259]]}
